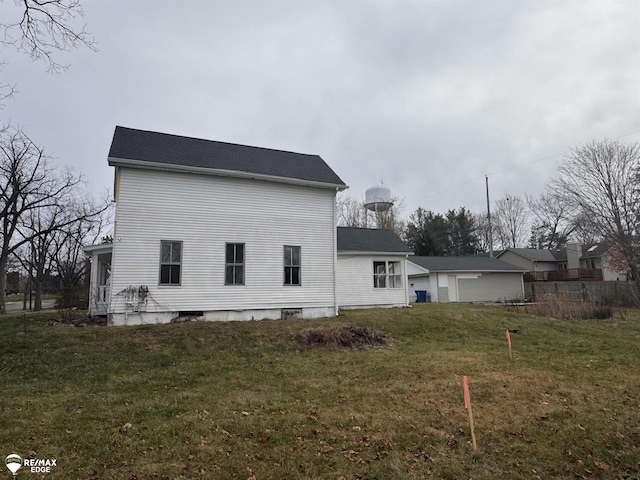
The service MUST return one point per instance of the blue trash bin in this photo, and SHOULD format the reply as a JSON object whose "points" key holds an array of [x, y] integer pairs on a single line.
{"points": [[421, 296]]}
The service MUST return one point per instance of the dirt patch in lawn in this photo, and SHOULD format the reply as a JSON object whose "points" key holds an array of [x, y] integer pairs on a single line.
{"points": [[344, 336]]}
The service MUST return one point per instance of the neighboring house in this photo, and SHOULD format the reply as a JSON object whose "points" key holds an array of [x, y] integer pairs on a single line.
{"points": [[224, 232], [592, 257], [575, 262], [530, 259], [465, 279], [372, 268]]}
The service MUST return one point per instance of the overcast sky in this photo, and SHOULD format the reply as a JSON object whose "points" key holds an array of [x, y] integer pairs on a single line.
{"points": [[429, 96]]}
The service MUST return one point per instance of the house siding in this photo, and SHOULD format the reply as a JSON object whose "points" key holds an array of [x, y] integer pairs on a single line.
{"points": [[491, 287], [356, 289], [419, 283], [206, 212], [527, 264], [475, 287]]}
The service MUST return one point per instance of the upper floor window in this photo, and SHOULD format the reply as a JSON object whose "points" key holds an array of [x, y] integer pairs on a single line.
{"points": [[234, 264], [291, 265], [387, 275], [170, 262]]}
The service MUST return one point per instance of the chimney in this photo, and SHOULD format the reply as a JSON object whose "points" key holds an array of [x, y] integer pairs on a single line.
{"points": [[574, 252]]}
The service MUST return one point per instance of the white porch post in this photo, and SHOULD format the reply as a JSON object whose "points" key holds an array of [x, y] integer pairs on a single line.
{"points": [[93, 284]]}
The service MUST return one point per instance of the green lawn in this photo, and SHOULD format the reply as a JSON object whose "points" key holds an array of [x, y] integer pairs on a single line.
{"points": [[240, 400]]}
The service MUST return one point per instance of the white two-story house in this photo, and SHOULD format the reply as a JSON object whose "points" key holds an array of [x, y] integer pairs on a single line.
{"points": [[223, 232]]}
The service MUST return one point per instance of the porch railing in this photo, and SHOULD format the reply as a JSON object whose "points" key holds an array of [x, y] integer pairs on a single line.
{"points": [[566, 275], [103, 294], [101, 306]]}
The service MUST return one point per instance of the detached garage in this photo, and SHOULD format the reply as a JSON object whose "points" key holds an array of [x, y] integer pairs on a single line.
{"points": [[465, 279]]}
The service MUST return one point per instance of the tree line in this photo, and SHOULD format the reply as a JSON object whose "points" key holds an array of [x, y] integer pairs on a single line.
{"points": [[594, 198], [46, 215], [46, 218]]}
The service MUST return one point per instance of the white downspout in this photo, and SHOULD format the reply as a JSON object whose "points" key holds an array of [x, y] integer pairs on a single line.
{"points": [[335, 255], [406, 280]]}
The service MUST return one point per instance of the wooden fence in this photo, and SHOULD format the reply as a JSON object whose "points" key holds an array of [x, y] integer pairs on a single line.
{"points": [[608, 293]]}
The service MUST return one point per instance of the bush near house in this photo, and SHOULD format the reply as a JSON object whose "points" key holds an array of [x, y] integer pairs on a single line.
{"points": [[242, 400]]}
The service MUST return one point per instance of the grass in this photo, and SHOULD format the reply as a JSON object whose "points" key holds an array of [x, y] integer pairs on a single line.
{"points": [[244, 400]]}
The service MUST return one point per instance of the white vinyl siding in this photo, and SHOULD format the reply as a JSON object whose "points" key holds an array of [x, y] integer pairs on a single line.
{"points": [[356, 287], [490, 287], [476, 287], [208, 212]]}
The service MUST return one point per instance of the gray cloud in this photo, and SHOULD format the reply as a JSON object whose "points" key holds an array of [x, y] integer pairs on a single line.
{"points": [[429, 96]]}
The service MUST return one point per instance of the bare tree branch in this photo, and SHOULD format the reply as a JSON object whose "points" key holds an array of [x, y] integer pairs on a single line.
{"points": [[599, 180], [553, 221], [47, 26]]}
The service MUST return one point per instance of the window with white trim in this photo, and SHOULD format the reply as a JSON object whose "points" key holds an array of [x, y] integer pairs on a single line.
{"points": [[170, 262], [234, 264], [387, 275], [292, 265]]}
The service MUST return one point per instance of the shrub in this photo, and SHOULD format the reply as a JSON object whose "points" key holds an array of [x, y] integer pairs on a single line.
{"points": [[565, 306], [600, 313]]}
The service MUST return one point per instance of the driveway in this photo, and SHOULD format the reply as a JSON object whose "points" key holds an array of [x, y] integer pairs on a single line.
{"points": [[13, 307]]}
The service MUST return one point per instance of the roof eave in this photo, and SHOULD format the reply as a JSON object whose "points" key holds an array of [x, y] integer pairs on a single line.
{"points": [[476, 270], [99, 248], [143, 164], [361, 252]]}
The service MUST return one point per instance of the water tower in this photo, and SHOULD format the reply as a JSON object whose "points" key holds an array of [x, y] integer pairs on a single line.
{"points": [[378, 199]]}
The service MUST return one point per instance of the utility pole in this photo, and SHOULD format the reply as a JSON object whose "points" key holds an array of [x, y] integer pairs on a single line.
{"points": [[486, 179]]}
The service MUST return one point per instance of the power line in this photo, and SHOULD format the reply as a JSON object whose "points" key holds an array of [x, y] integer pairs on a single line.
{"points": [[513, 167]]}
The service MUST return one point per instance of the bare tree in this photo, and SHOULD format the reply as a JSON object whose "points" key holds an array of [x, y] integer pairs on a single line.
{"points": [[68, 261], [388, 219], [553, 221], [29, 184], [350, 212], [510, 222], [35, 255], [483, 232], [600, 181], [42, 27]]}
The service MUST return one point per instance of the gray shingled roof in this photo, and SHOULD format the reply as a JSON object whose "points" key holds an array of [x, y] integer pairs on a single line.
{"points": [[533, 254], [465, 264], [172, 150], [370, 240]]}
